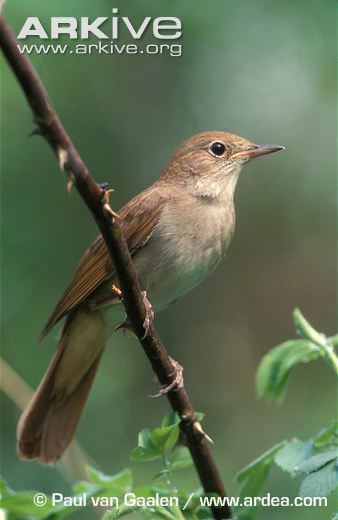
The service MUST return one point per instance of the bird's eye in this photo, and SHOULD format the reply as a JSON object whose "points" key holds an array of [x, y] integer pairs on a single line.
{"points": [[217, 149]]}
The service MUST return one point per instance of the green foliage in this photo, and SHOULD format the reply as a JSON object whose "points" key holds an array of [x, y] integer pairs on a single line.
{"points": [[327, 436], [293, 454], [253, 477], [153, 444], [275, 368], [160, 444], [315, 460], [21, 504]]}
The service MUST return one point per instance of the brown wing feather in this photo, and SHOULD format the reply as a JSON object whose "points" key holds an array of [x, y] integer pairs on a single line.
{"points": [[138, 219]]}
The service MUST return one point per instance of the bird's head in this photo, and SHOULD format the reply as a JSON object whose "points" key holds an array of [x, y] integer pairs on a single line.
{"points": [[210, 162]]}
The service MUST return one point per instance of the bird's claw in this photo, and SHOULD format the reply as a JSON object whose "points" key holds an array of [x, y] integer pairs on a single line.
{"points": [[149, 314], [176, 384]]}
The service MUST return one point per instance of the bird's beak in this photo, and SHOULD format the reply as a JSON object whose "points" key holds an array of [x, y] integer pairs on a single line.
{"points": [[263, 149]]}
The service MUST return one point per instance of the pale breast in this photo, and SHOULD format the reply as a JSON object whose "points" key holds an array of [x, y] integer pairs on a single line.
{"points": [[186, 245]]}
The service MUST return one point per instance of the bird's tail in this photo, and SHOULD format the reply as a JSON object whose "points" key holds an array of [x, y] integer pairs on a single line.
{"points": [[49, 422]]}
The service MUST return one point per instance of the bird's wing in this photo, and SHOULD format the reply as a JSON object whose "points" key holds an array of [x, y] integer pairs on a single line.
{"points": [[138, 220]]}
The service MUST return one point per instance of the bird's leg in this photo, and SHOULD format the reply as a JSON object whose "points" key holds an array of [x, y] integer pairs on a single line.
{"points": [[148, 318], [125, 325], [149, 313], [176, 383], [107, 302]]}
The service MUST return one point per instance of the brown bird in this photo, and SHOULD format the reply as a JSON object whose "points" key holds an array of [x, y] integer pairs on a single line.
{"points": [[177, 231]]}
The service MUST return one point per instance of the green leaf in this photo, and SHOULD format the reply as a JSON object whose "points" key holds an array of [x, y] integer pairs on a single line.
{"points": [[320, 483], [274, 370], [266, 457], [293, 454], [85, 487], [140, 454], [121, 482], [146, 449], [117, 512], [20, 505], [144, 438], [170, 419], [317, 461], [158, 488], [327, 437], [143, 491], [334, 342], [165, 438], [200, 416], [154, 443], [254, 476], [180, 458], [203, 513]]}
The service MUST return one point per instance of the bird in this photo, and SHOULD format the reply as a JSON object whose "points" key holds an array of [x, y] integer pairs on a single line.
{"points": [[177, 231]]}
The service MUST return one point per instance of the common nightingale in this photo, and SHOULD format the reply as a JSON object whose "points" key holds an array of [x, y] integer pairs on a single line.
{"points": [[177, 231]]}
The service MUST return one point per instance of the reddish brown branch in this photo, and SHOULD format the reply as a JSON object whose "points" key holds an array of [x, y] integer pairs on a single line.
{"points": [[50, 127]]}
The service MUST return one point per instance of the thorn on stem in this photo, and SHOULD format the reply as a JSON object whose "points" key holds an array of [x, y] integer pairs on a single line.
{"points": [[106, 204], [70, 182], [63, 158], [64, 166], [198, 427], [36, 131]]}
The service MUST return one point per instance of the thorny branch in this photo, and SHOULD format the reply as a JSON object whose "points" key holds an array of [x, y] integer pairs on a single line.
{"points": [[95, 196]]}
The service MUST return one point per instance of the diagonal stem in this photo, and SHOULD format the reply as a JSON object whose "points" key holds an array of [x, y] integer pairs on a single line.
{"points": [[94, 196], [326, 345]]}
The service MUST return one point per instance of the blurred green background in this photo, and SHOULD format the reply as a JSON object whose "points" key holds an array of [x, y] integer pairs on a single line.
{"points": [[262, 69]]}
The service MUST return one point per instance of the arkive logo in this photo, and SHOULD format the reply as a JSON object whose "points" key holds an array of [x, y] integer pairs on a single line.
{"points": [[103, 27], [106, 31]]}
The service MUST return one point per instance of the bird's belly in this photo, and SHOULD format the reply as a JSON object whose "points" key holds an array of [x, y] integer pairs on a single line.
{"points": [[181, 252], [169, 269]]}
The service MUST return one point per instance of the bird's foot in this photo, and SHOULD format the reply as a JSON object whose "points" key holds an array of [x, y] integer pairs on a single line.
{"points": [[148, 318], [176, 384], [149, 314]]}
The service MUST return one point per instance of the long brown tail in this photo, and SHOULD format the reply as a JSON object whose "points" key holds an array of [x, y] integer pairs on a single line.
{"points": [[49, 422]]}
